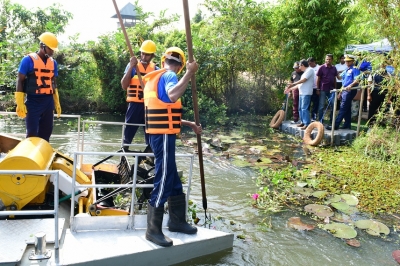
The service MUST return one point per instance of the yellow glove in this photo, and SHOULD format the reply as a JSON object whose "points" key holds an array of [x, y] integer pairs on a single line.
{"points": [[21, 107], [57, 105]]}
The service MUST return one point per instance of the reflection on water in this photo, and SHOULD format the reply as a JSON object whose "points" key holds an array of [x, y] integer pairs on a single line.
{"points": [[227, 190]]}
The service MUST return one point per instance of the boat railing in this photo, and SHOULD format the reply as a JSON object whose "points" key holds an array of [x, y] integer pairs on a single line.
{"points": [[54, 212], [126, 222], [120, 144], [76, 135]]}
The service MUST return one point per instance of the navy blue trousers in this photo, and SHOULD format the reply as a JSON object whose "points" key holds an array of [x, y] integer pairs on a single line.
{"points": [[345, 109], [39, 117], [134, 115], [166, 181]]}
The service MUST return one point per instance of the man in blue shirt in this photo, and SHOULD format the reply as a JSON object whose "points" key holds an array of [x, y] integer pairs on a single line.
{"points": [[163, 115], [36, 78], [130, 82], [349, 80]]}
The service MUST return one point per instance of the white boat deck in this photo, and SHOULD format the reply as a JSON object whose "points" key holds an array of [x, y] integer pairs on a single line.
{"points": [[107, 247]]}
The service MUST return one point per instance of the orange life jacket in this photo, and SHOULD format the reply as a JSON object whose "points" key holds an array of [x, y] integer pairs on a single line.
{"points": [[160, 117], [40, 80], [135, 90]]}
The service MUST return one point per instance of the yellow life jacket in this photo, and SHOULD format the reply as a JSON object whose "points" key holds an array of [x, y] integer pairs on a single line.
{"points": [[135, 90], [160, 117], [40, 80]]}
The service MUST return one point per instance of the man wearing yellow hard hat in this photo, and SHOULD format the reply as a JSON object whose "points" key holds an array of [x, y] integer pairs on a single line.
{"points": [[163, 111], [36, 79], [131, 83]]}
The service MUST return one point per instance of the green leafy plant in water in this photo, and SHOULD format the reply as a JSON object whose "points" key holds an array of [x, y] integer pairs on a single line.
{"points": [[274, 188]]}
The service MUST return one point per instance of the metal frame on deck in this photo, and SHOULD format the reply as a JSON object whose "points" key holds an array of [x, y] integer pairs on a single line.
{"points": [[79, 223], [39, 212]]}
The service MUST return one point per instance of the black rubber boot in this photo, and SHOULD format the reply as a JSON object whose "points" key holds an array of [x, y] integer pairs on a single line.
{"points": [[154, 223], [177, 216]]}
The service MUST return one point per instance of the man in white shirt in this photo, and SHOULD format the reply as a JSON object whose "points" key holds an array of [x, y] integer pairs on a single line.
{"points": [[314, 97], [305, 86], [340, 68]]}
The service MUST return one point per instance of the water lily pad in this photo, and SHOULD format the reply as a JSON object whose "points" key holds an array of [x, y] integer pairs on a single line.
{"points": [[191, 141], [313, 183], [321, 211], [320, 194], [301, 184], [363, 224], [341, 230], [396, 255], [350, 199], [264, 160], [372, 227], [341, 206], [242, 141], [333, 198], [351, 210], [240, 163], [226, 139], [216, 143], [353, 242], [342, 218], [241, 236], [257, 149], [303, 191], [296, 223], [272, 151]]}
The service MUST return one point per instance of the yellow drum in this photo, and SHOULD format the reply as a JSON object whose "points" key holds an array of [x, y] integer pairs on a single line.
{"points": [[17, 189]]}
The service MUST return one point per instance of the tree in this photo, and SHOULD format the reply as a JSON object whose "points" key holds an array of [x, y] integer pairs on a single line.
{"points": [[311, 28], [19, 31], [233, 48]]}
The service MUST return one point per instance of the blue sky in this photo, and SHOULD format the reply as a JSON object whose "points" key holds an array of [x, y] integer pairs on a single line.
{"points": [[93, 17]]}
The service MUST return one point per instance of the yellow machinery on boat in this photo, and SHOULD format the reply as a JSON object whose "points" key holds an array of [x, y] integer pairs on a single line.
{"points": [[17, 190], [27, 191], [20, 190]]}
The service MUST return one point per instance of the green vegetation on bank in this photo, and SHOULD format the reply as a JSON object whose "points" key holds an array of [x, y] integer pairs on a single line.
{"points": [[369, 169], [245, 50]]}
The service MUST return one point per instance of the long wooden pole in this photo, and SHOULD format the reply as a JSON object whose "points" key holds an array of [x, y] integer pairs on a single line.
{"points": [[195, 104], [127, 41]]}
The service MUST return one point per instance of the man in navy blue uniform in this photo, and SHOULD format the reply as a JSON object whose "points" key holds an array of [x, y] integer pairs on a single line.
{"points": [[163, 115], [134, 96], [349, 77]]}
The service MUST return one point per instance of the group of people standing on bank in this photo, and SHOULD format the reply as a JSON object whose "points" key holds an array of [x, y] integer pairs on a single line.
{"points": [[311, 85], [153, 96]]}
